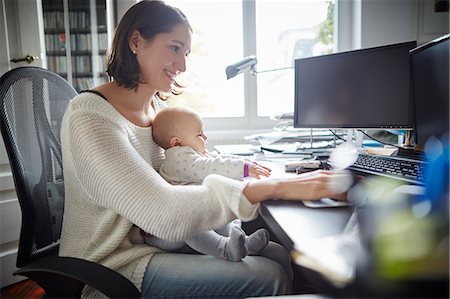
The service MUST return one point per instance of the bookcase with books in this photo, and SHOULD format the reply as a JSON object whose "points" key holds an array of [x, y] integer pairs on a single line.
{"points": [[77, 39]]}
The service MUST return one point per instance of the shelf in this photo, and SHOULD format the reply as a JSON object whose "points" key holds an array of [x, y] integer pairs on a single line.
{"points": [[100, 29], [74, 53], [84, 75], [87, 75], [78, 13]]}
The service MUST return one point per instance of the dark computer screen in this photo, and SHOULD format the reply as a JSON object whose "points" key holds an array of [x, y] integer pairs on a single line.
{"points": [[430, 68], [367, 88]]}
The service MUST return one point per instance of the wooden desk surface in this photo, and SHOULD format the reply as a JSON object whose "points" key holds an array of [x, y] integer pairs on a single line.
{"points": [[332, 269], [294, 223]]}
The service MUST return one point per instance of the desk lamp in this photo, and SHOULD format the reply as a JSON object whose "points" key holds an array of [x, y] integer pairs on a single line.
{"points": [[245, 64]]}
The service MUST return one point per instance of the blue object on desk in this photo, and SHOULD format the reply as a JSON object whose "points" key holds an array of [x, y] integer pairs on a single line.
{"points": [[371, 143], [436, 180]]}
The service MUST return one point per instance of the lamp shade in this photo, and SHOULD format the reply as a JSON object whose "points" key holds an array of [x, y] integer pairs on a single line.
{"points": [[241, 66]]}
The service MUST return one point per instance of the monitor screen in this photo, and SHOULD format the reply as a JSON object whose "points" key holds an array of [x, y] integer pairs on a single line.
{"points": [[429, 68], [367, 88]]}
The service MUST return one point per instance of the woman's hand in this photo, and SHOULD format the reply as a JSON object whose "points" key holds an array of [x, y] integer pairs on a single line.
{"points": [[308, 186]]}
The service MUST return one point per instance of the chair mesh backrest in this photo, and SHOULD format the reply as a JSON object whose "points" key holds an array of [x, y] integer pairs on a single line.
{"points": [[32, 103]]}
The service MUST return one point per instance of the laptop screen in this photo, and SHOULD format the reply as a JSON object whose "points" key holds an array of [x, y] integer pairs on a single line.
{"points": [[430, 78]]}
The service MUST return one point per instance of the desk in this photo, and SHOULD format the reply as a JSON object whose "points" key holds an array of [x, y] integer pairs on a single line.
{"points": [[293, 223], [296, 226]]}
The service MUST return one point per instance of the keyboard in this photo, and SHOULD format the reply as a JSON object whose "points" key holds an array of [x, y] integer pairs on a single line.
{"points": [[404, 169]]}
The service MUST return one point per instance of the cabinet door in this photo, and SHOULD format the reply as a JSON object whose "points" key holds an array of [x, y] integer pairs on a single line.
{"points": [[20, 36], [76, 40], [42, 29]]}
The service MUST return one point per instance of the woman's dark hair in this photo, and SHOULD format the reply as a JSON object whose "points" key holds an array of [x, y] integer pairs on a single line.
{"points": [[149, 17]]}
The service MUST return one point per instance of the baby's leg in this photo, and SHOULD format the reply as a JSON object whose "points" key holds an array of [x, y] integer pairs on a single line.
{"points": [[226, 229], [230, 248], [162, 244], [257, 241], [253, 243]]}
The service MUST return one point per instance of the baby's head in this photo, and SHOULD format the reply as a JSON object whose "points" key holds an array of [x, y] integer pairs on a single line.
{"points": [[179, 126]]}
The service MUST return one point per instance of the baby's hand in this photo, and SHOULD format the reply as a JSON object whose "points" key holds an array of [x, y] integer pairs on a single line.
{"points": [[256, 171]]}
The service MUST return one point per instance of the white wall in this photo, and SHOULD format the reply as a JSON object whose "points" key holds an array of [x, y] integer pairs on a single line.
{"points": [[393, 21], [371, 23], [387, 22]]}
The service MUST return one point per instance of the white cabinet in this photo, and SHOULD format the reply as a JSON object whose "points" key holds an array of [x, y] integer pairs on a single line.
{"points": [[69, 37], [10, 219]]}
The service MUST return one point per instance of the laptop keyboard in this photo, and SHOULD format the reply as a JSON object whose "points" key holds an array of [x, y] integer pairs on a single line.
{"points": [[407, 170]]}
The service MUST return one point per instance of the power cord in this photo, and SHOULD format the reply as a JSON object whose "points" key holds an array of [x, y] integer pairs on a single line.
{"points": [[336, 135]]}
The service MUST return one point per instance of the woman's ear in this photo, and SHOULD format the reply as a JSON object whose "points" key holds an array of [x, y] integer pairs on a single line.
{"points": [[134, 41], [175, 141]]}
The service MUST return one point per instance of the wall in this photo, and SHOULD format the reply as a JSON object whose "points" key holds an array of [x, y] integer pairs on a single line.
{"points": [[370, 23], [387, 22], [393, 21]]}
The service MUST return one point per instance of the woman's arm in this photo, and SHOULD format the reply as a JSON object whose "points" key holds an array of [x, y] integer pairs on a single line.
{"points": [[309, 186]]}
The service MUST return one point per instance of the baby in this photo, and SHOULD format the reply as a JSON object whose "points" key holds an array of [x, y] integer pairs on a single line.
{"points": [[180, 132]]}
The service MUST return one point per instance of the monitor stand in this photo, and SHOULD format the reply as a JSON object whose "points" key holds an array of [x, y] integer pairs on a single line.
{"points": [[357, 136], [408, 144]]}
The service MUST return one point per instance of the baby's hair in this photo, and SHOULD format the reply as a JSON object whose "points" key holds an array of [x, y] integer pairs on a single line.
{"points": [[166, 124]]}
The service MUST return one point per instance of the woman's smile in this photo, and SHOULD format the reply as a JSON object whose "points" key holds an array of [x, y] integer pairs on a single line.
{"points": [[171, 75]]}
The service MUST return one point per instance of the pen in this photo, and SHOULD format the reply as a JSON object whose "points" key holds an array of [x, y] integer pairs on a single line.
{"points": [[263, 148]]}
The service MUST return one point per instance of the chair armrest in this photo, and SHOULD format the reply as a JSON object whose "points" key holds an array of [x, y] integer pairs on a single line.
{"points": [[66, 277]]}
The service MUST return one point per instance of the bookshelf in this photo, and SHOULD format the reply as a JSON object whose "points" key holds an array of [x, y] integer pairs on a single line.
{"points": [[77, 39]]}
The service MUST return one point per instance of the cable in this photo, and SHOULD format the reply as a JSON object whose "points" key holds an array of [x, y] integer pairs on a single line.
{"points": [[336, 135]]}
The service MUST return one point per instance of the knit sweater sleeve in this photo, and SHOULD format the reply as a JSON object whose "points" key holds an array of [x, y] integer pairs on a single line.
{"points": [[116, 176]]}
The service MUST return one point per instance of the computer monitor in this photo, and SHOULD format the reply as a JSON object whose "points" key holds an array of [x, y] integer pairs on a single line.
{"points": [[430, 80], [359, 89]]}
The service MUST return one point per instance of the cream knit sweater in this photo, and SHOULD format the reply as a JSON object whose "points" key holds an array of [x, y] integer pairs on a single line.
{"points": [[112, 186]]}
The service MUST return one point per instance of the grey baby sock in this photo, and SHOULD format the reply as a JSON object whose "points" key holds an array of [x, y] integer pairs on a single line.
{"points": [[235, 248], [257, 241]]}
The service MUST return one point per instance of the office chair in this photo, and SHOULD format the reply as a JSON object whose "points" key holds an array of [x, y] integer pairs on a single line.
{"points": [[32, 103]]}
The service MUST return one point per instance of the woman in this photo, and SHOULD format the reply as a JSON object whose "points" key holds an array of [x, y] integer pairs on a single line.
{"points": [[113, 189]]}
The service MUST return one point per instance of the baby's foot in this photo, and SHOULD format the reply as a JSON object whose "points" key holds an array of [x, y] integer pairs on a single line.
{"points": [[235, 247], [257, 241]]}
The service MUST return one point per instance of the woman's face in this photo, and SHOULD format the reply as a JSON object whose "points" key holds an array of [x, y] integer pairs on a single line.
{"points": [[164, 57]]}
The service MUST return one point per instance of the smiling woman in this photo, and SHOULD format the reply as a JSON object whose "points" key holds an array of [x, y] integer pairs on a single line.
{"points": [[115, 196]]}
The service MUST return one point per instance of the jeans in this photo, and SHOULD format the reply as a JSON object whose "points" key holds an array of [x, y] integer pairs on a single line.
{"points": [[179, 275]]}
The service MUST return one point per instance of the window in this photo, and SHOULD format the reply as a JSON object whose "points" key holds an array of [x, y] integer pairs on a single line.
{"points": [[300, 29], [277, 32], [216, 42]]}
